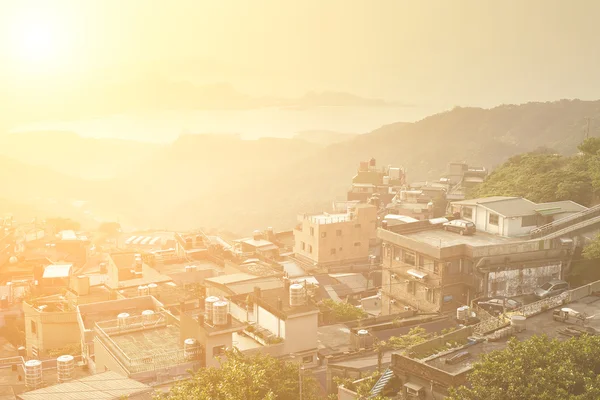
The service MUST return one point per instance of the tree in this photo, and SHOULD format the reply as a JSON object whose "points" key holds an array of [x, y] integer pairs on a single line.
{"points": [[536, 369], [590, 146], [591, 251], [344, 311], [258, 377]]}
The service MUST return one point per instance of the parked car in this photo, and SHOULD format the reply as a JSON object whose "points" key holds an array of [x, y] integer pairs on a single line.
{"points": [[552, 288], [461, 226], [496, 305]]}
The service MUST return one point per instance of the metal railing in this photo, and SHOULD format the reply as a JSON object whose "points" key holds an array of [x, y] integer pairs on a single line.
{"points": [[560, 223]]}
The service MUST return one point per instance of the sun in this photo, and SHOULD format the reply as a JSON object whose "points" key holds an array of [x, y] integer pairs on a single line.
{"points": [[38, 41]]}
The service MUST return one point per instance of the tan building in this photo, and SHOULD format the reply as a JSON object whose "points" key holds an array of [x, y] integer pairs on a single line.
{"points": [[51, 321], [432, 270], [336, 239]]}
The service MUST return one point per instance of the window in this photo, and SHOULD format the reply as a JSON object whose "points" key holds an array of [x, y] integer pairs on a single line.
{"points": [[312, 231], [307, 359], [356, 244], [467, 212], [323, 234], [303, 245], [409, 257], [33, 328], [493, 220], [529, 220], [218, 350], [310, 248], [338, 232], [332, 251]]}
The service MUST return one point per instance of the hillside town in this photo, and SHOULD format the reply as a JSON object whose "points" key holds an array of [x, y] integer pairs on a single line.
{"points": [[112, 314]]}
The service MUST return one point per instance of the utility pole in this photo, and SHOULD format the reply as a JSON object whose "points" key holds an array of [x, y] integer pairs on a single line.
{"points": [[587, 129], [300, 369]]}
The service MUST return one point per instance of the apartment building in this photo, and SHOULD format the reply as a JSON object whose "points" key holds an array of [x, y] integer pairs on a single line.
{"points": [[336, 239], [430, 269], [512, 216], [370, 180]]}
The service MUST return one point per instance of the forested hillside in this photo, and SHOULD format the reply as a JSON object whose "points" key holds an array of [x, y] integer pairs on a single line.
{"points": [[544, 176]]}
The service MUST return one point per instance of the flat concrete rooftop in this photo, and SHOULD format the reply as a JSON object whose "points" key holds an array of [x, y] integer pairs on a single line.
{"points": [[441, 238], [149, 342], [537, 325]]}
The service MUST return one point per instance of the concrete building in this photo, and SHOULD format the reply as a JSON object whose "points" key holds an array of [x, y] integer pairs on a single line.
{"points": [[283, 319], [427, 373], [105, 386], [370, 180], [88, 315], [459, 178], [51, 321], [148, 348], [431, 269], [336, 239], [512, 216], [226, 286]]}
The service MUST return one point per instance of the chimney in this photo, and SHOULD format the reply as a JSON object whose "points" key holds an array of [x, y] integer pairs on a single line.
{"points": [[257, 292]]}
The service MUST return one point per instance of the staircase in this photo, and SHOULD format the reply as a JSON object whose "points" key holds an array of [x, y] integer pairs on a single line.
{"points": [[568, 224]]}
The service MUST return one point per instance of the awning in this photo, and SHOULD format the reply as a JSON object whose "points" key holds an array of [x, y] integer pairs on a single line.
{"points": [[413, 386], [416, 274]]}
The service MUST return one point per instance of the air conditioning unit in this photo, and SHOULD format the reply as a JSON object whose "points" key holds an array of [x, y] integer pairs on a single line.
{"points": [[393, 276]]}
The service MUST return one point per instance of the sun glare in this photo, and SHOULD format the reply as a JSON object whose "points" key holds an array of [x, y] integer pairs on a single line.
{"points": [[38, 41]]}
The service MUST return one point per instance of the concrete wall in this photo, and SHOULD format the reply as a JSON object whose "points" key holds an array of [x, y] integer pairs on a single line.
{"points": [[520, 281], [352, 244], [225, 340], [301, 333], [105, 361], [53, 330], [268, 321]]}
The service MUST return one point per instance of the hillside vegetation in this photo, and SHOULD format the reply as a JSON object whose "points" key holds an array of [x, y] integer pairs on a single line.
{"points": [[223, 182], [542, 176]]}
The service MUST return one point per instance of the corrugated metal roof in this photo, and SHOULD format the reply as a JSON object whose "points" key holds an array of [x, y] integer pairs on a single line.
{"points": [[104, 386]]}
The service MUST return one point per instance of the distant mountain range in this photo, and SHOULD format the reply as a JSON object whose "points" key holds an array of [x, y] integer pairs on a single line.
{"points": [[217, 181], [160, 94]]}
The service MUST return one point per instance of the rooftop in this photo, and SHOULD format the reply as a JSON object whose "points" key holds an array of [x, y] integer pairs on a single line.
{"points": [[328, 218], [277, 302], [441, 238], [259, 243], [10, 384], [144, 343], [543, 323], [61, 270], [103, 386], [518, 206], [108, 310]]}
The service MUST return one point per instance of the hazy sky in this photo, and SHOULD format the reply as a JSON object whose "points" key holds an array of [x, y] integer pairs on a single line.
{"points": [[452, 52]]}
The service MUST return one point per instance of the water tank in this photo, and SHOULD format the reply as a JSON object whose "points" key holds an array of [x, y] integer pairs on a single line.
{"points": [[152, 288], [190, 349], [518, 322], [220, 309], [372, 162], [22, 351], [122, 319], [462, 313], [64, 368], [362, 336], [147, 316], [386, 180], [256, 235], [33, 374], [190, 268], [208, 307], [13, 260], [143, 290], [297, 295]]}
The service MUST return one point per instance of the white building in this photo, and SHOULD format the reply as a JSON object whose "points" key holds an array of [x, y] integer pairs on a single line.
{"points": [[512, 216]]}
